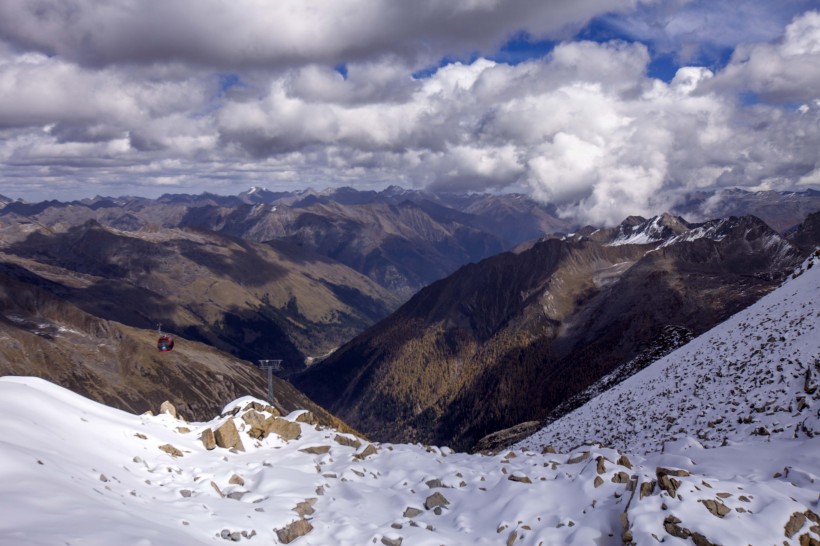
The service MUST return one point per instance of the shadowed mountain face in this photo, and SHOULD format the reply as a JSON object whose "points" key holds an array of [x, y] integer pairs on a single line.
{"points": [[251, 300], [43, 335], [401, 239], [506, 340]]}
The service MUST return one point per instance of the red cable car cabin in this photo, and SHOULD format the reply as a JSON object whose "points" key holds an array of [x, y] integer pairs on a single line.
{"points": [[165, 344]]}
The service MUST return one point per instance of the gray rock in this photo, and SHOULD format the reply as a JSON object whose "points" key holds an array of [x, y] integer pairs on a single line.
{"points": [[716, 507], [411, 512], [391, 541], [436, 499]]}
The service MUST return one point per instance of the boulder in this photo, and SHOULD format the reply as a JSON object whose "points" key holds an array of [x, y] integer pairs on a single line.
{"points": [[298, 528], [287, 430], [670, 485], [620, 477], [717, 508], [794, 524], [347, 441], [257, 406], [305, 508], [647, 488], [226, 436], [411, 512], [670, 524], [435, 500], [579, 458], [170, 450], [520, 478], [208, 439], [168, 407], [254, 419], [307, 418], [315, 450], [366, 452], [237, 480]]}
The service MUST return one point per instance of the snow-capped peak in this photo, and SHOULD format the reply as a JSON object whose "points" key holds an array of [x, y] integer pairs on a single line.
{"points": [[637, 231]]}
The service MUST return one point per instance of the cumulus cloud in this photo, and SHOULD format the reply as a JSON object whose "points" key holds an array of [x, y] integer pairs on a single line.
{"points": [[584, 128], [88, 104], [785, 71], [245, 33], [700, 31]]}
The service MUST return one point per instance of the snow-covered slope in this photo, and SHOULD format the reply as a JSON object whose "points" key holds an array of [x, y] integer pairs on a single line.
{"points": [[752, 378], [76, 472]]}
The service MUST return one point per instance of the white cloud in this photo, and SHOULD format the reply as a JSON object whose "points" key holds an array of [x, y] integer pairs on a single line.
{"points": [[785, 71], [584, 127], [261, 33]]}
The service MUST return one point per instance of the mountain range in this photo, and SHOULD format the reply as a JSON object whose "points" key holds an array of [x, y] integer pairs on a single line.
{"points": [[717, 443], [295, 275], [509, 339], [752, 378]]}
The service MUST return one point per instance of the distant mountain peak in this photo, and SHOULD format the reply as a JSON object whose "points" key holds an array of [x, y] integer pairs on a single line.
{"points": [[638, 230]]}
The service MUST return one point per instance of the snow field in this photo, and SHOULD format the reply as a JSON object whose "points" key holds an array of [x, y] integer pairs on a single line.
{"points": [[77, 472]]}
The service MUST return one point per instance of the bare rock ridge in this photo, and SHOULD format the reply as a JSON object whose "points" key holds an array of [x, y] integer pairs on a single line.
{"points": [[509, 339]]}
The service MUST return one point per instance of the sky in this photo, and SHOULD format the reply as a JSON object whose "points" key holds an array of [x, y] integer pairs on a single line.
{"points": [[603, 107]]}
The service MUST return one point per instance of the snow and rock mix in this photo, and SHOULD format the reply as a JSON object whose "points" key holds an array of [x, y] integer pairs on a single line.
{"points": [[717, 443], [77, 472], [753, 378]]}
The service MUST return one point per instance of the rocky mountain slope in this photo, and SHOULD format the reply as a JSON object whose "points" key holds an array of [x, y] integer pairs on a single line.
{"points": [[248, 299], [509, 339], [78, 472], [401, 239], [753, 378], [781, 210], [45, 335]]}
